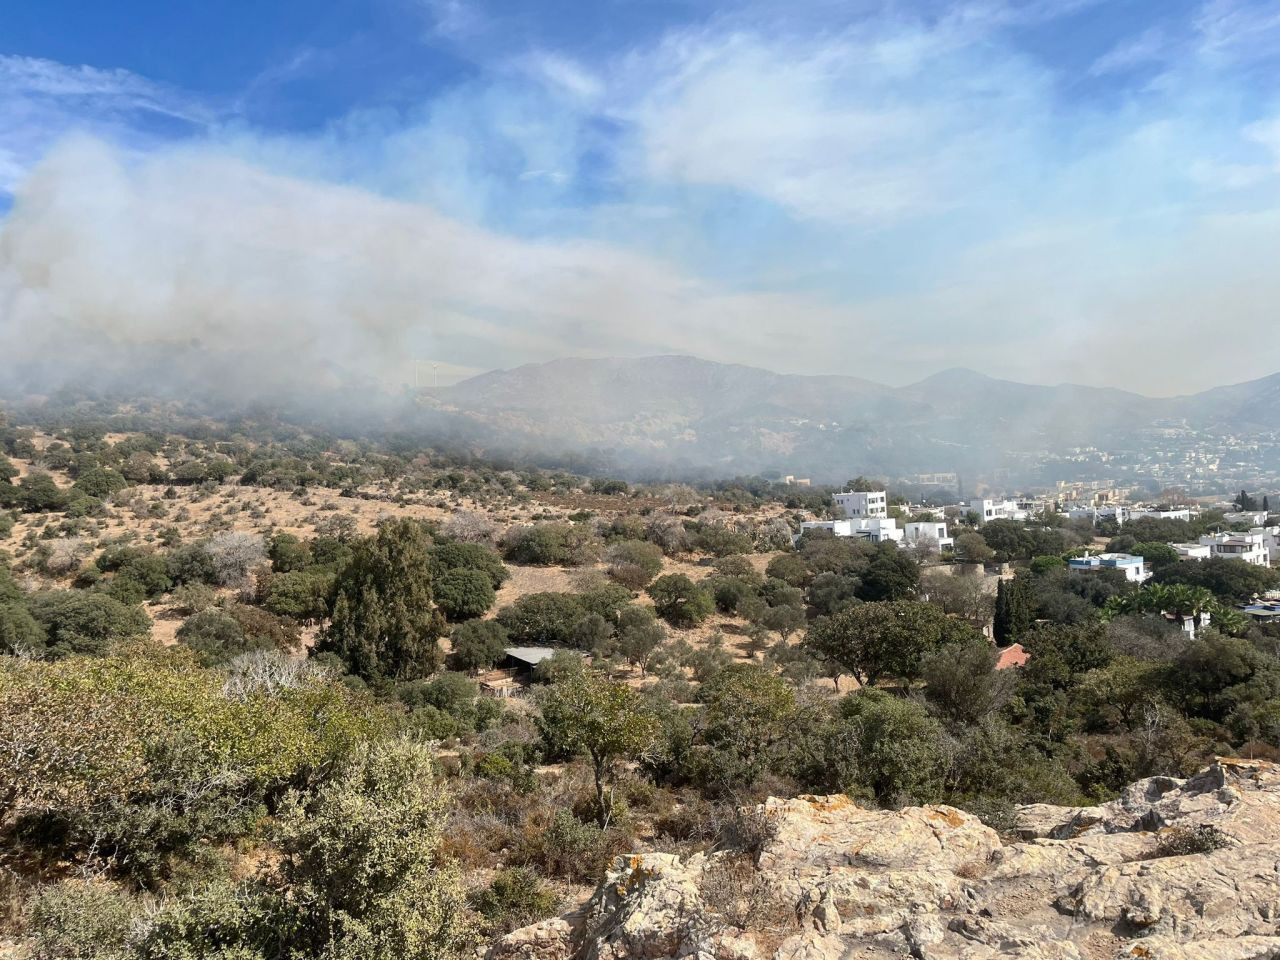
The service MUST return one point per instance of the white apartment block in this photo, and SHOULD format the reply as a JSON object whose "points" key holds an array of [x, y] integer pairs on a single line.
{"points": [[1250, 547], [874, 529], [997, 510], [919, 530], [871, 504]]}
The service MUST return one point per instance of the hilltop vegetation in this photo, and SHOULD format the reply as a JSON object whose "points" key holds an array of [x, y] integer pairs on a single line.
{"points": [[242, 714]]}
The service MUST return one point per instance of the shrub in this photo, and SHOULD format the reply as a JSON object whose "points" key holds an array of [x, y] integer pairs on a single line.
{"points": [[75, 920], [134, 760], [468, 556], [288, 553], [634, 563], [148, 570], [360, 876], [1186, 841], [192, 598], [463, 593], [234, 554], [191, 563], [477, 644], [551, 544], [515, 898], [299, 595], [214, 637], [721, 541], [566, 848], [680, 601], [79, 622], [542, 619]]}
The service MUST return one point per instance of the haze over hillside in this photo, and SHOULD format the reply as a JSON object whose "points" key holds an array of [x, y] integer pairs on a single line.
{"points": [[685, 413]]}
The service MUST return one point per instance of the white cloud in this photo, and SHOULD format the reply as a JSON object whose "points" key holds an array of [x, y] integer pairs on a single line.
{"points": [[1238, 30], [863, 128], [1150, 46], [42, 101], [107, 90]]}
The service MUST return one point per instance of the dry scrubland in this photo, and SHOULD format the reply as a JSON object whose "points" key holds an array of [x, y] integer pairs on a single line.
{"points": [[142, 513], [239, 695]]}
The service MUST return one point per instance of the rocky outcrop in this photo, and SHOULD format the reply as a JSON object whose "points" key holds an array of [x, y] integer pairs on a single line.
{"points": [[1171, 870]]}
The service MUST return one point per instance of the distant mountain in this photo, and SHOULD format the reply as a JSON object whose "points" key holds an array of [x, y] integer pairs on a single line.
{"points": [[680, 414]]}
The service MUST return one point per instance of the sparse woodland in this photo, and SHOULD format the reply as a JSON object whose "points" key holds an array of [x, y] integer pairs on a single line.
{"points": [[240, 714]]}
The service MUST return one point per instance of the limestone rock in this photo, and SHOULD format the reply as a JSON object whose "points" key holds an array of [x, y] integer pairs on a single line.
{"points": [[549, 940], [838, 881], [1227, 893]]}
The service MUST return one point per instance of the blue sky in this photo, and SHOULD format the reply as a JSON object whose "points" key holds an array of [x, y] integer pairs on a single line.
{"points": [[1047, 190]]}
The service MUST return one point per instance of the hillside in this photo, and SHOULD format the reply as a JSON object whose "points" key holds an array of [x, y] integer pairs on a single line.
{"points": [[681, 412]]}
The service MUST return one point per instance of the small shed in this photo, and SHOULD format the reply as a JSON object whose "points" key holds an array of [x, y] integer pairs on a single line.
{"points": [[522, 660]]}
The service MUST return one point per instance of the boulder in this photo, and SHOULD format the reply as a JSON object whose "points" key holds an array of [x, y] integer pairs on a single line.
{"points": [[835, 880]]}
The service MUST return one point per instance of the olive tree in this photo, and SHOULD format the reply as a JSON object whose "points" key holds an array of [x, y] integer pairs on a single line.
{"points": [[588, 713]]}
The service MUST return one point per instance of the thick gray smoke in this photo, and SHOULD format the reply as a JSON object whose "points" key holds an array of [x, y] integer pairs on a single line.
{"points": [[199, 268]]}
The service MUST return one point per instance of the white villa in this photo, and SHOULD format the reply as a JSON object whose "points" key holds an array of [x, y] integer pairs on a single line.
{"points": [[875, 529], [1134, 568], [1169, 513], [928, 530], [1104, 511], [867, 517], [1250, 547], [997, 510], [874, 503], [1193, 551]]}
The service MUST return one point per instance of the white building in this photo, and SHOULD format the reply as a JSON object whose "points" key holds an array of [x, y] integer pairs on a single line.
{"points": [[1250, 547], [1105, 511], [875, 529], [997, 510], [1193, 551], [1271, 537], [1167, 513], [1255, 518], [928, 530], [874, 503], [1133, 567]]}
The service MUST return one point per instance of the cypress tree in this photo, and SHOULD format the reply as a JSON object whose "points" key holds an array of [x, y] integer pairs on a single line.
{"points": [[385, 623], [1001, 625]]}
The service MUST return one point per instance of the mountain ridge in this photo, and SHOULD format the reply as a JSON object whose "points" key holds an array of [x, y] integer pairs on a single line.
{"points": [[678, 412]]}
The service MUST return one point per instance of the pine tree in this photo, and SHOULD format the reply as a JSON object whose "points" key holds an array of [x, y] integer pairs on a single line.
{"points": [[385, 623]]}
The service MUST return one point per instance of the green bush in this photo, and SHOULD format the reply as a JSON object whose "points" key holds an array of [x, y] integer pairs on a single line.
{"points": [[680, 601], [634, 563], [464, 593], [1188, 841], [140, 761], [542, 619], [77, 920], [514, 898], [469, 556], [551, 544], [299, 595], [76, 621], [477, 644]]}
